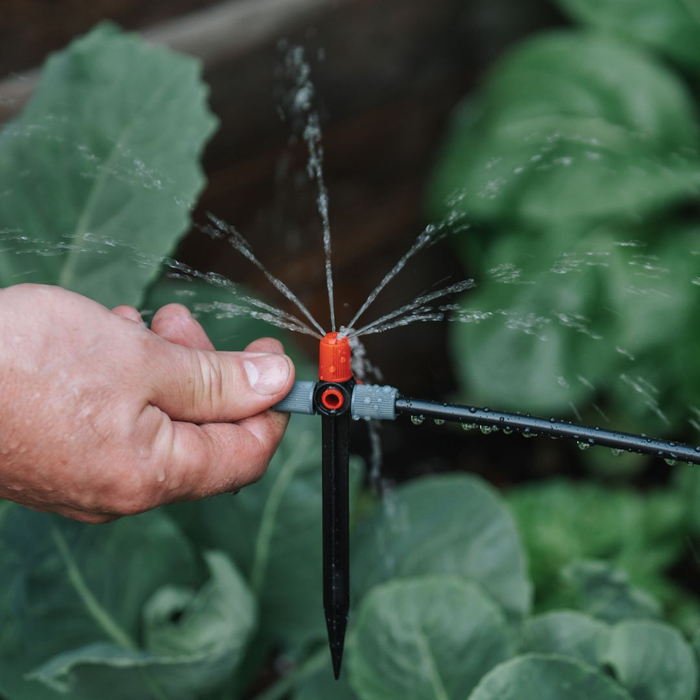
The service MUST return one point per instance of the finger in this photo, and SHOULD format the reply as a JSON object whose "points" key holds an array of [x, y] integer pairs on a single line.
{"points": [[128, 312], [208, 387], [176, 324], [266, 345], [271, 345], [218, 458]]}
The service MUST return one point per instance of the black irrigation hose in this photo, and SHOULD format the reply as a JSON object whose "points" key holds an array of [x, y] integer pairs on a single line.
{"points": [[527, 425]]}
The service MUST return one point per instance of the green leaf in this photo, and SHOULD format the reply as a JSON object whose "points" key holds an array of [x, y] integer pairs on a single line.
{"points": [[653, 661], [454, 525], [432, 637], [572, 634], [670, 27], [64, 585], [582, 318], [193, 642], [542, 677], [571, 128], [101, 170], [606, 593], [272, 530], [540, 336]]}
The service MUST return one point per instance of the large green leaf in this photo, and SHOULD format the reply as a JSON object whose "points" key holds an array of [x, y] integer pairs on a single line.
{"points": [[431, 637], [453, 525], [568, 633], [544, 677], [653, 661], [571, 127], [650, 659], [102, 168], [580, 318], [272, 530], [671, 26], [64, 585], [192, 643], [542, 335]]}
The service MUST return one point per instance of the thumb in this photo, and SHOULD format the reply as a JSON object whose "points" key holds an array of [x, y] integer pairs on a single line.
{"points": [[201, 386]]}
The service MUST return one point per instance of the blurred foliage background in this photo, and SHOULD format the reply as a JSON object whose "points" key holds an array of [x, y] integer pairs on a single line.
{"points": [[565, 133]]}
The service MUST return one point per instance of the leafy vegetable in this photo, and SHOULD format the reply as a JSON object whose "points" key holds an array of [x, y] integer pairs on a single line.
{"points": [[192, 641], [546, 677], [73, 620], [563, 521], [604, 135], [430, 637], [102, 168], [572, 634], [652, 661], [454, 525]]}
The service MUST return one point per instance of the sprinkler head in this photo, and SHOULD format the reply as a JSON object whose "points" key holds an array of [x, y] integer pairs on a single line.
{"points": [[335, 358]]}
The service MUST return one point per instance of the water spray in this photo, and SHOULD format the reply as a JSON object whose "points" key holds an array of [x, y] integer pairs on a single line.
{"points": [[338, 398]]}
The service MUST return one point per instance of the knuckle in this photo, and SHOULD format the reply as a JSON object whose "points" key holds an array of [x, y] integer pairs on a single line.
{"points": [[212, 380]]}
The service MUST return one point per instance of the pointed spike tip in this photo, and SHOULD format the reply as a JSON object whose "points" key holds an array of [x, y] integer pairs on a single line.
{"points": [[336, 638], [337, 656]]}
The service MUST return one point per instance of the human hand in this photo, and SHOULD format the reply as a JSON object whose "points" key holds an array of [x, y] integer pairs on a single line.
{"points": [[101, 417]]}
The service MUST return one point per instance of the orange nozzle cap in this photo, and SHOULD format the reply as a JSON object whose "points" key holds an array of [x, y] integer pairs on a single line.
{"points": [[334, 362]]}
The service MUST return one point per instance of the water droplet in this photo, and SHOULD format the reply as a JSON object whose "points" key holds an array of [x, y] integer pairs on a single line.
{"points": [[617, 451], [507, 430], [468, 426], [473, 410], [417, 420], [528, 434], [583, 445], [439, 421], [486, 429], [670, 462]]}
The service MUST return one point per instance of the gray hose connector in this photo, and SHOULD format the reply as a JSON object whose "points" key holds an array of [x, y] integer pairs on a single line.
{"points": [[299, 400], [370, 401]]}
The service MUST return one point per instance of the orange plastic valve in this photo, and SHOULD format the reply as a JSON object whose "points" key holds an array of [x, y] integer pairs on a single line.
{"points": [[334, 362]]}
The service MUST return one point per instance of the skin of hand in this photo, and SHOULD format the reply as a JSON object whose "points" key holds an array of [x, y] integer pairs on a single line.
{"points": [[101, 417]]}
